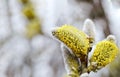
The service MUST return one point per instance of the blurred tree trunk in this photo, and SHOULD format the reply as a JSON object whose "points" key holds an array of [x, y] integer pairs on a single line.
{"points": [[98, 12]]}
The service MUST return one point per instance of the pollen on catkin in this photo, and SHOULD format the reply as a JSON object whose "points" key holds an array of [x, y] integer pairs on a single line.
{"points": [[104, 53], [73, 38]]}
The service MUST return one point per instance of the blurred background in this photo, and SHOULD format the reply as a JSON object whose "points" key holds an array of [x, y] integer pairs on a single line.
{"points": [[27, 48]]}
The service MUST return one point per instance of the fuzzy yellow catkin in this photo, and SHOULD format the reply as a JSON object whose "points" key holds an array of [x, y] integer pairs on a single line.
{"points": [[73, 38], [28, 11], [33, 28], [34, 24], [24, 1], [104, 53]]}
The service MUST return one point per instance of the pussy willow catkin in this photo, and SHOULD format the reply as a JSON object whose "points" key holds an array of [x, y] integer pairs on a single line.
{"points": [[28, 11], [73, 38], [34, 24], [104, 53], [71, 62]]}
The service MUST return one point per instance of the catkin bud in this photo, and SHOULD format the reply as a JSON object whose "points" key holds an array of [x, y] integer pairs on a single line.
{"points": [[104, 53], [89, 29], [71, 62], [74, 39]]}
